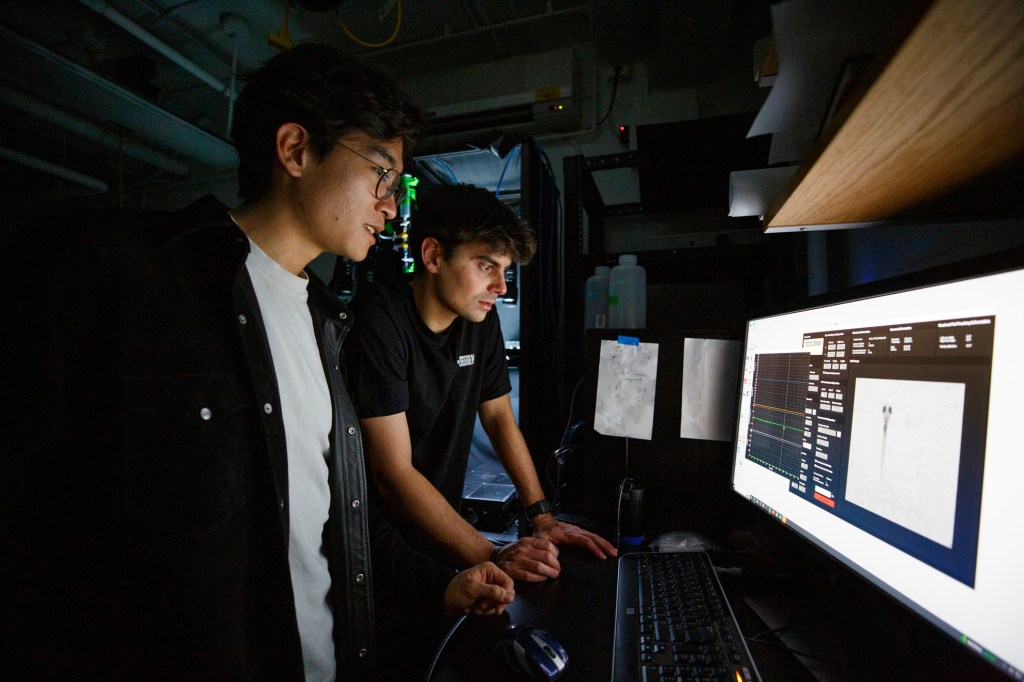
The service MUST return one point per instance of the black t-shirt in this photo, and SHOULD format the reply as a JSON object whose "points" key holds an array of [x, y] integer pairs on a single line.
{"points": [[397, 364]]}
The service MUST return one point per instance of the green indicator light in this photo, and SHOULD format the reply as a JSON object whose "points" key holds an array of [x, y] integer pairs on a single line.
{"points": [[410, 189], [405, 214]]}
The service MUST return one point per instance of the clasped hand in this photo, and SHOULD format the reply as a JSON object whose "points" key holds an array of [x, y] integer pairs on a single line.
{"points": [[481, 590], [536, 558]]}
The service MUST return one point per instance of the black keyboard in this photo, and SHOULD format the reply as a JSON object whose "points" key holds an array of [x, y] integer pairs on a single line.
{"points": [[673, 622]]}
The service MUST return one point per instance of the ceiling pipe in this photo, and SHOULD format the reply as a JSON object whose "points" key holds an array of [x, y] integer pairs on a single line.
{"points": [[234, 27], [52, 169], [32, 66], [91, 131], [476, 30], [101, 7]]}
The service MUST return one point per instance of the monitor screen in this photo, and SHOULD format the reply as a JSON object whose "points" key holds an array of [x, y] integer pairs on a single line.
{"points": [[887, 431]]}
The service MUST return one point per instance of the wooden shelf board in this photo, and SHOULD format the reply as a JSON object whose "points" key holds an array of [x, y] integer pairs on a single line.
{"points": [[947, 108]]}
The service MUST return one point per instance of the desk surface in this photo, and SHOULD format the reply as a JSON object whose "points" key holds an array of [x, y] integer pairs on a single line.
{"points": [[579, 609], [858, 632]]}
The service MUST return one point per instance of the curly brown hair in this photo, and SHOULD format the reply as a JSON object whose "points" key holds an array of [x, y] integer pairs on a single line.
{"points": [[459, 214]]}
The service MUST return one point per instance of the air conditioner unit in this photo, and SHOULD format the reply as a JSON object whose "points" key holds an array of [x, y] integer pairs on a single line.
{"points": [[530, 94]]}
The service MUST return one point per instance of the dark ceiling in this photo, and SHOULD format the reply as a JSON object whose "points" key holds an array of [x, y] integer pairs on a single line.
{"points": [[133, 95]]}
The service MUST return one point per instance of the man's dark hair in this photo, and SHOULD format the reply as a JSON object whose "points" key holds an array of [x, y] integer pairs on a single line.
{"points": [[330, 93], [458, 214]]}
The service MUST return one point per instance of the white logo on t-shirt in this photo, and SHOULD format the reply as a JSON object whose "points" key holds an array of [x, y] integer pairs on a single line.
{"points": [[465, 360]]}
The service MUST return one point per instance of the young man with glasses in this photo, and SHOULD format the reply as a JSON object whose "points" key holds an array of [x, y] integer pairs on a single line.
{"points": [[389, 180], [182, 493]]}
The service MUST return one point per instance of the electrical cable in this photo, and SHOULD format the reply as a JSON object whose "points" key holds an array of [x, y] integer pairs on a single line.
{"points": [[804, 654], [441, 649], [572, 403], [514, 153], [448, 169], [771, 631], [558, 457], [282, 40], [618, 511], [615, 90], [394, 34]]}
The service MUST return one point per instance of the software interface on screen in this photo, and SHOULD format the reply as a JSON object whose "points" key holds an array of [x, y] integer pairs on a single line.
{"points": [[890, 432]]}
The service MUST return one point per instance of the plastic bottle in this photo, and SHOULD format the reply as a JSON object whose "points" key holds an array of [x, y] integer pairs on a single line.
{"points": [[627, 294], [595, 302]]}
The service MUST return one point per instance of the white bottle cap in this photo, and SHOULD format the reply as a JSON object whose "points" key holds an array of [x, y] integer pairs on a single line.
{"points": [[627, 259], [602, 270]]}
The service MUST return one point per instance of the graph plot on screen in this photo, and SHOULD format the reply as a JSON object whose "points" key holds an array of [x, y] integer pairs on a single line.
{"points": [[777, 413]]}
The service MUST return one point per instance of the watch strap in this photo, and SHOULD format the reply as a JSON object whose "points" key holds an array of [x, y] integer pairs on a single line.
{"points": [[541, 506]]}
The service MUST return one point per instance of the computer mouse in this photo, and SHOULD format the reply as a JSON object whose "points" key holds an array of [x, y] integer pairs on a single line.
{"points": [[532, 651]]}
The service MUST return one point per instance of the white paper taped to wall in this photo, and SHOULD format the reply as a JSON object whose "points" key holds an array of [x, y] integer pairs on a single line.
{"points": [[625, 388], [711, 370]]}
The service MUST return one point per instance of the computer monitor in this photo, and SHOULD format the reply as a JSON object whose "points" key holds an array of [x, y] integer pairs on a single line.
{"points": [[888, 430]]}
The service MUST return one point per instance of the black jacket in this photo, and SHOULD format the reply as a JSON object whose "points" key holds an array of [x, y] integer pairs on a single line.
{"points": [[143, 473]]}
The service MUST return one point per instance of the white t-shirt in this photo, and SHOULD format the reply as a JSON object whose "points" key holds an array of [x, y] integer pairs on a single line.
{"points": [[307, 414]]}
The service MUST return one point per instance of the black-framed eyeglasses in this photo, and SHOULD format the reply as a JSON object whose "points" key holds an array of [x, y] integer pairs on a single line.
{"points": [[389, 180]]}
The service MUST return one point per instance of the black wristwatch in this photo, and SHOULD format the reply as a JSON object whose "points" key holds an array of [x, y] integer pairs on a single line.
{"points": [[541, 506]]}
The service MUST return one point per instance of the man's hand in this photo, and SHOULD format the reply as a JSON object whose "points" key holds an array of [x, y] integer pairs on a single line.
{"points": [[482, 590], [530, 559], [549, 528]]}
